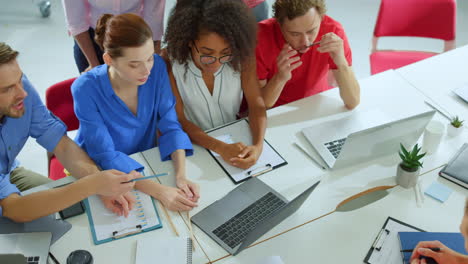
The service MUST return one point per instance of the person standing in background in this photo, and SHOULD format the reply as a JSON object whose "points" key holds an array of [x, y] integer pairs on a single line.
{"points": [[259, 7], [82, 16]]}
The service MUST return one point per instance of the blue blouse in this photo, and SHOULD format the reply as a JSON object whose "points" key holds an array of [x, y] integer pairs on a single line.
{"points": [[109, 131]]}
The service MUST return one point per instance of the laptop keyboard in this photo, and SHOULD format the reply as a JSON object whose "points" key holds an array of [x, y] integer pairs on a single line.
{"points": [[234, 231], [335, 146], [32, 260]]}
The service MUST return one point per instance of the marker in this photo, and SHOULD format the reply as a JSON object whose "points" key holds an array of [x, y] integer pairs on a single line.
{"points": [[147, 177]]}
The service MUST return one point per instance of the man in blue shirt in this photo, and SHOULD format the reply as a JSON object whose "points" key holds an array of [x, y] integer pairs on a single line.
{"points": [[22, 114]]}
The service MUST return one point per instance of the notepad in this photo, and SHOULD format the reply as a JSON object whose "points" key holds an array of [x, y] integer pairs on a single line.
{"points": [[168, 250], [107, 226], [239, 131], [438, 191]]}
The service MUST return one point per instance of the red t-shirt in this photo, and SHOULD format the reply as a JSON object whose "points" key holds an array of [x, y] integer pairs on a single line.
{"points": [[312, 76]]}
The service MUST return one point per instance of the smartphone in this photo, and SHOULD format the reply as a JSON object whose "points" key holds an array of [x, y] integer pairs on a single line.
{"points": [[73, 210]]}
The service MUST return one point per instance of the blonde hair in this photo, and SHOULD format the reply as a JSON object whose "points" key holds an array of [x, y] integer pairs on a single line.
{"points": [[7, 54], [295, 8]]}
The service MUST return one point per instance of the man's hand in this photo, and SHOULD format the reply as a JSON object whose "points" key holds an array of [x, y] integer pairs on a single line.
{"points": [[111, 182], [120, 205], [333, 44], [287, 61]]}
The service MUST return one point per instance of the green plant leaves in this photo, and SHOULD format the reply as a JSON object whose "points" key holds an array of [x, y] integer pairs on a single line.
{"points": [[410, 159]]}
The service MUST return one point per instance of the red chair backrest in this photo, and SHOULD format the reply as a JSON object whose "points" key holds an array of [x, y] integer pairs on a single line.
{"points": [[59, 101], [417, 18]]}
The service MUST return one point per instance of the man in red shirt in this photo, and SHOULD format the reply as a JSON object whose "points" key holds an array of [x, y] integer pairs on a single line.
{"points": [[296, 51]]}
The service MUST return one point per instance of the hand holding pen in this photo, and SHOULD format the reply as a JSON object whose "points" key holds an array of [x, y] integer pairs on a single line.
{"points": [[437, 251]]}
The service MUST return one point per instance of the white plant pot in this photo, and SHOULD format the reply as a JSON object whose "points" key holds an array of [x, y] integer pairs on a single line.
{"points": [[407, 179], [454, 131]]}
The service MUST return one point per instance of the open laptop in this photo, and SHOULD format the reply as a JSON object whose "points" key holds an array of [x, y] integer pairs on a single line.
{"points": [[22, 248], [246, 213], [364, 136]]}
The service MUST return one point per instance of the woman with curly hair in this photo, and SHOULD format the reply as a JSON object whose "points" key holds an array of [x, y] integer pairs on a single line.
{"points": [[211, 46]]}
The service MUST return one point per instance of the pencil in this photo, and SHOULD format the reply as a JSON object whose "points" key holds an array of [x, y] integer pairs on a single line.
{"points": [[308, 155], [191, 230], [147, 177], [169, 219]]}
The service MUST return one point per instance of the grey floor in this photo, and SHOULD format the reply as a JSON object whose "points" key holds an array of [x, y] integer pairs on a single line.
{"points": [[46, 49]]}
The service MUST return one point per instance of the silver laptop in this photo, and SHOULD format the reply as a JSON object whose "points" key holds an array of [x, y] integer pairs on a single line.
{"points": [[246, 213], [33, 246], [365, 136]]}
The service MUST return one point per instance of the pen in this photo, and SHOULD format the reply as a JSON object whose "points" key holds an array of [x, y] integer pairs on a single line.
{"points": [[308, 155], [313, 44], [147, 177], [411, 250]]}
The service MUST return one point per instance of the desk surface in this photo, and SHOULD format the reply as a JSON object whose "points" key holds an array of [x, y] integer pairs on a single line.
{"points": [[339, 237], [284, 126], [438, 76]]}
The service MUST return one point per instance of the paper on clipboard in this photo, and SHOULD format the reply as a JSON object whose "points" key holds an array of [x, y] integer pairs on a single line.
{"points": [[240, 132], [107, 226], [386, 247]]}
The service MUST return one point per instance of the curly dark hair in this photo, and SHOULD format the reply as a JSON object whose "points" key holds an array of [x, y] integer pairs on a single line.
{"points": [[231, 19]]}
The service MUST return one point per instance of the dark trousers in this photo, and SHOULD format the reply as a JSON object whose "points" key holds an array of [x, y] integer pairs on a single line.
{"points": [[80, 58]]}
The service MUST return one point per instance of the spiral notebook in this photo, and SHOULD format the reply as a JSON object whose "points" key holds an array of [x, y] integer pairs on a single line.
{"points": [[169, 250], [107, 226]]}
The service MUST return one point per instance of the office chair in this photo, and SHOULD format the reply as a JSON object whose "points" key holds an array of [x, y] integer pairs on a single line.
{"points": [[44, 7], [411, 18], [59, 101]]}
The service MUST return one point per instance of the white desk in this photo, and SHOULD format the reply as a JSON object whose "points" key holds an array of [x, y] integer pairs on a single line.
{"points": [[284, 125], [340, 237], [345, 237], [437, 76]]}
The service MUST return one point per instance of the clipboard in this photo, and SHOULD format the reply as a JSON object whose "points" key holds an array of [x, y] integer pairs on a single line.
{"points": [[106, 226], [239, 131], [383, 242]]}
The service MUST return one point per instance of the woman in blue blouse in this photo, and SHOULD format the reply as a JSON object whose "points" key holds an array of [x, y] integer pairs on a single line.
{"points": [[125, 104]]}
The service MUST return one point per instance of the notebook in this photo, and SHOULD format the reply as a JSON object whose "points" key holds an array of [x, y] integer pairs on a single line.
{"points": [[239, 131], [409, 240], [169, 250], [457, 168], [107, 226]]}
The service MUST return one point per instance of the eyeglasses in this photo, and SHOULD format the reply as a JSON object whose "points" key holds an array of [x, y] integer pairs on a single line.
{"points": [[207, 59]]}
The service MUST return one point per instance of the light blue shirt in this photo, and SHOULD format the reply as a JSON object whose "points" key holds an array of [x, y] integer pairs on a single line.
{"points": [[36, 122], [109, 131]]}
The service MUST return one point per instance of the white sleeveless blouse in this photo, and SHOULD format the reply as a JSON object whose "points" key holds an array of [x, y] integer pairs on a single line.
{"points": [[200, 107]]}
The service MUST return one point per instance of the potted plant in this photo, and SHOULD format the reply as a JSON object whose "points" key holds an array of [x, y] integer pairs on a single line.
{"points": [[456, 127], [408, 169]]}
